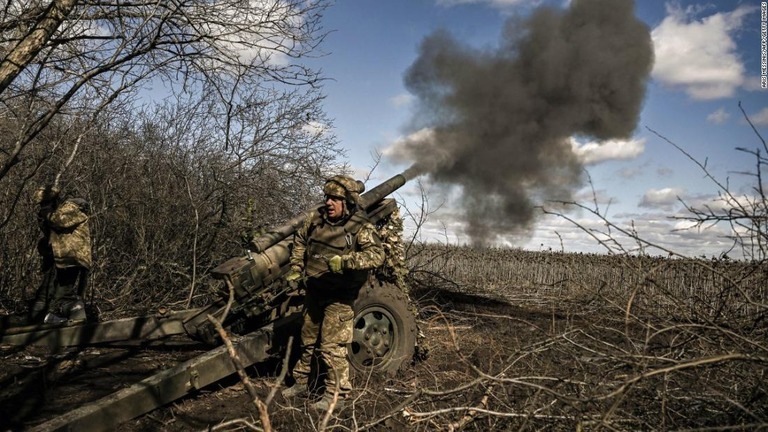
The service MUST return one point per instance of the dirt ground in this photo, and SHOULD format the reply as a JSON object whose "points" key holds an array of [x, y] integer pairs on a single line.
{"points": [[491, 366], [38, 384]]}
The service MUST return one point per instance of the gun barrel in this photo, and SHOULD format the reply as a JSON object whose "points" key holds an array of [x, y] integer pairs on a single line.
{"points": [[380, 192], [367, 200], [278, 234]]}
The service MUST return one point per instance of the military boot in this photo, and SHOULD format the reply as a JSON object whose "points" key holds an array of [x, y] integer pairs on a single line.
{"points": [[325, 402], [53, 319], [76, 311], [300, 388]]}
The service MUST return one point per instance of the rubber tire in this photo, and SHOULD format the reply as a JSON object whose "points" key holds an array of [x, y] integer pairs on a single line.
{"points": [[382, 314]]}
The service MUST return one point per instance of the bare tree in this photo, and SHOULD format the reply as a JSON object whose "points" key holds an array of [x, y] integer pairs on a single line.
{"points": [[745, 214], [67, 58], [241, 122], [34, 26]]}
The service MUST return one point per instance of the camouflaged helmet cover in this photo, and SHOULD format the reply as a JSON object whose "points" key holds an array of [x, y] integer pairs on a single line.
{"points": [[344, 187]]}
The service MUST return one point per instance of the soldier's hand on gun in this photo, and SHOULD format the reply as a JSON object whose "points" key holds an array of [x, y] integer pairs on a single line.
{"points": [[245, 240], [292, 276], [336, 264]]}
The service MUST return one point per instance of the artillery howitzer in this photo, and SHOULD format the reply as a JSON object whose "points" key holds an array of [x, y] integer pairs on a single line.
{"points": [[256, 306]]}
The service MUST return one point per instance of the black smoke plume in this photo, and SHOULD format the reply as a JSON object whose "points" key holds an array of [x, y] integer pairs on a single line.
{"points": [[497, 122]]}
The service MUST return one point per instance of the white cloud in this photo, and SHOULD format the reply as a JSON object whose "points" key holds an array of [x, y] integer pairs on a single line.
{"points": [[699, 55], [233, 31], [752, 83], [719, 117], [578, 231], [664, 199], [401, 100], [722, 204], [654, 228], [760, 118], [685, 225], [315, 128], [594, 152]]}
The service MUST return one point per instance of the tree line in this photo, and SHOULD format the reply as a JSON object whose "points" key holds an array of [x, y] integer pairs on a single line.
{"points": [[238, 141]]}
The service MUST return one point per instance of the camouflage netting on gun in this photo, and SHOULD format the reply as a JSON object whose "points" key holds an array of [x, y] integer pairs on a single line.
{"points": [[391, 233], [394, 270]]}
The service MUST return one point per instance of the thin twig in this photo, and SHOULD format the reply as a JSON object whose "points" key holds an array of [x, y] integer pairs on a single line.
{"points": [[260, 406]]}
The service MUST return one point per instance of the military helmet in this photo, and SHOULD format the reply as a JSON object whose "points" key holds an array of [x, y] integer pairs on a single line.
{"points": [[45, 194], [344, 187]]}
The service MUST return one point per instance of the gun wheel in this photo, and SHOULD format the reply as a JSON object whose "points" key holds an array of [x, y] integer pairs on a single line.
{"points": [[384, 332]]}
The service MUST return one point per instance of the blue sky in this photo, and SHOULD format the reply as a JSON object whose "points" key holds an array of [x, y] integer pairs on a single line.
{"points": [[707, 60]]}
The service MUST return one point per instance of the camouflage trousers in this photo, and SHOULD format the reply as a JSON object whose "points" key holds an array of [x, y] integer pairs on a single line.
{"points": [[59, 291], [327, 327]]}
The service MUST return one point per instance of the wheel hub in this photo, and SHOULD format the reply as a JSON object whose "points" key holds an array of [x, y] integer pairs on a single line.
{"points": [[373, 337]]}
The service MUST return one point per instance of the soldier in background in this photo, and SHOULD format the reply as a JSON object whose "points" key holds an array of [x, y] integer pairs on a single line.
{"points": [[65, 251], [333, 254]]}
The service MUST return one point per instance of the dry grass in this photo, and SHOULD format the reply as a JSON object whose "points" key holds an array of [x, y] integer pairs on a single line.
{"points": [[583, 353], [566, 356]]}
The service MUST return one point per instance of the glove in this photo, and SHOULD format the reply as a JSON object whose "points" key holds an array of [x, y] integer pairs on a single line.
{"points": [[292, 276], [335, 264]]}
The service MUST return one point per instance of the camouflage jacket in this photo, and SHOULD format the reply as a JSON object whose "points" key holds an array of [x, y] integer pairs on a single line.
{"points": [[70, 236], [355, 239]]}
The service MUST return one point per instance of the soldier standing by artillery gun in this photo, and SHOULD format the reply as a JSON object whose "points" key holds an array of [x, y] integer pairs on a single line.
{"points": [[65, 252], [383, 333], [333, 253]]}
